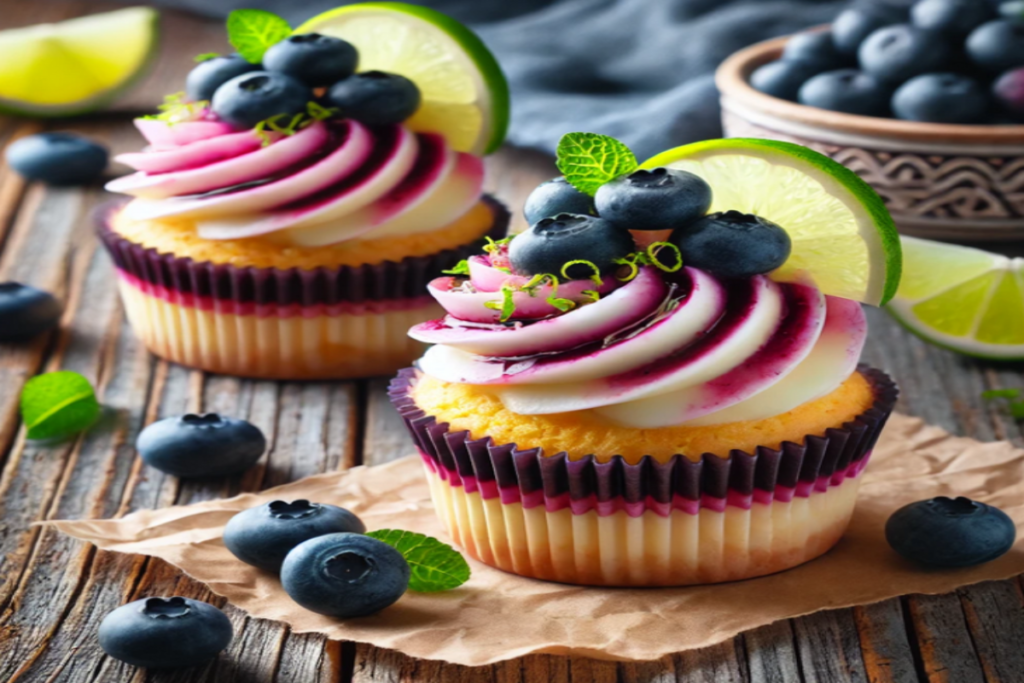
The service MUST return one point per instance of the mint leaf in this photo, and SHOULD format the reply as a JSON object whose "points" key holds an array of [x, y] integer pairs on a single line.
{"points": [[58, 404], [252, 31], [435, 565], [589, 160]]}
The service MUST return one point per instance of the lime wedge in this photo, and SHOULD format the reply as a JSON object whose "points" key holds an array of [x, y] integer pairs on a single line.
{"points": [[77, 65], [844, 240], [465, 96], [964, 299]]}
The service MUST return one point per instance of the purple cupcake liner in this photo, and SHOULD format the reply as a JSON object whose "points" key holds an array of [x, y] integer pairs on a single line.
{"points": [[841, 452], [249, 286]]}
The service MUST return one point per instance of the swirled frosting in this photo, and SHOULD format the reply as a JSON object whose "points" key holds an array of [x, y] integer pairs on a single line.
{"points": [[326, 183], [659, 350]]}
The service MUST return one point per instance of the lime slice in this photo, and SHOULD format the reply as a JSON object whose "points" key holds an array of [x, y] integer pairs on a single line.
{"points": [[844, 240], [964, 299], [465, 96], [77, 65]]}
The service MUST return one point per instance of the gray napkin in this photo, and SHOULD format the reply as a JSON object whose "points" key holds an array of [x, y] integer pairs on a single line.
{"points": [[640, 70]]}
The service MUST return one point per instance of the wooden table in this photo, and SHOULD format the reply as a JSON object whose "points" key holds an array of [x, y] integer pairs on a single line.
{"points": [[54, 591]]}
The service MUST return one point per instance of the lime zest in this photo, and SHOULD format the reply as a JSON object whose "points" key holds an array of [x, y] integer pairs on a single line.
{"points": [[651, 255], [58, 404], [595, 275], [314, 112], [460, 268], [494, 246], [205, 57], [630, 262], [593, 295], [434, 566], [589, 160], [176, 108], [253, 31], [506, 305], [318, 112]]}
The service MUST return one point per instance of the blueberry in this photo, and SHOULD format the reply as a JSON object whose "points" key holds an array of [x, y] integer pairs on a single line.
{"points": [[1012, 10], [345, 575], [262, 536], [656, 199], [250, 98], [898, 53], [556, 196], [58, 158], [816, 49], [853, 26], [553, 242], [782, 79], [941, 98], [201, 445], [26, 312], [204, 78], [849, 91], [314, 59], [375, 98], [950, 532], [733, 244], [954, 18], [1008, 91], [997, 45], [165, 633]]}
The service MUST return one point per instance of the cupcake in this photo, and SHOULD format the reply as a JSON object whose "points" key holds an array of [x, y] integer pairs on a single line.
{"points": [[293, 203], [659, 384]]}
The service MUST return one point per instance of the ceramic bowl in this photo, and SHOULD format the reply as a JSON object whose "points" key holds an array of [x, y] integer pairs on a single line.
{"points": [[939, 181]]}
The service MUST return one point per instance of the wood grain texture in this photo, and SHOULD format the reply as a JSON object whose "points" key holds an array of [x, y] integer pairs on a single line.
{"points": [[55, 591]]}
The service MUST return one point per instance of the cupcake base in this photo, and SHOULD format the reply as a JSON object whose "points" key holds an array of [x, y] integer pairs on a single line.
{"points": [[674, 523], [338, 322]]}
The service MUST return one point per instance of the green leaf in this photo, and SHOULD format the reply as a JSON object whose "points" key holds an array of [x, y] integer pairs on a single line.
{"points": [[252, 31], [58, 404], [435, 566], [460, 268], [1017, 410], [589, 160], [206, 56], [1000, 393], [561, 304], [507, 305]]}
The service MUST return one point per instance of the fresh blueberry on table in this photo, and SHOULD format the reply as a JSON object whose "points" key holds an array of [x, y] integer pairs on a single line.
{"points": [[26, 312], [165, 633], [553, 242], [950, 532], [1008, 91], [655, 199], [955, 18], [733, 244], [375, 98], [345, 575], [849, 91], [62, 159], [204, 78], [556, 196], [997, 45], [782, 79], [898, 53], [262, 536], [817, 50], [942, 98], [201, 445], [314, 59], [250, 98]]}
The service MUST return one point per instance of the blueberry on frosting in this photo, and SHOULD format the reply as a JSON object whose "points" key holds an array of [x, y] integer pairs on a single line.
{"points": [[554, 242]]}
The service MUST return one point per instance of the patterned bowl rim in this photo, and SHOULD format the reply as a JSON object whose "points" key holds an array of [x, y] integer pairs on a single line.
{"points": [[737, 94]]}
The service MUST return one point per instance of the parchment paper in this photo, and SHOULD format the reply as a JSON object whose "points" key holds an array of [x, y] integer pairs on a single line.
{"points": [[499, 616]]}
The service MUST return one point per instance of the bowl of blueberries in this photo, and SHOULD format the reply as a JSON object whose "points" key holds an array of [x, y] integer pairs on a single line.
{"points": [[924, 99]]}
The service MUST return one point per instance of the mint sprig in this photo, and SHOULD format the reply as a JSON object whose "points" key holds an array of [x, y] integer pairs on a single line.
{"points": [[589, 160], [435, 566], [252, 31], [58, 404], [1013, 398]]}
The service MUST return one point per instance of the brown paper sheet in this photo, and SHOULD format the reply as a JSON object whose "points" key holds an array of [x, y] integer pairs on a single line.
{"points": [[498, 616]]}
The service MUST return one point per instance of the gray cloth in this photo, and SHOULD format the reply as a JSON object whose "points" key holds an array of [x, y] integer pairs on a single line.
{"points": [[639, 70]]}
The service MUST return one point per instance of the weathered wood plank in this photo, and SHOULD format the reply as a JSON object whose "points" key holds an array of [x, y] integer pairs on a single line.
{"points": [[942, 640], [995, 617], [888, 657], [724, 663], [828, 648], [772, 654]]}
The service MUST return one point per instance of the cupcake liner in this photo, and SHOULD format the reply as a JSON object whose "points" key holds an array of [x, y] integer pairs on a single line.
{"points": [[343, 322], [674, 523], [277, 287]]}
